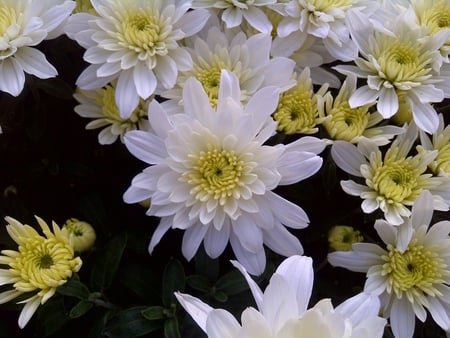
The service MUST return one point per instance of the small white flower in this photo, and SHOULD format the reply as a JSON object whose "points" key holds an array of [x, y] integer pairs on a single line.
{"points": [[401, 64], [353, 124], [137, 43], [412, 274], [99, 104], [23, 25], [213, 177], [393, 181], [235, 11], [283, 310]]}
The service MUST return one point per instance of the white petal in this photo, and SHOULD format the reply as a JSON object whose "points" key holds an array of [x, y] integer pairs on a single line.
{"points": [[358, 261], [387, 102], [362, 96], [287, 212], [166, 71], [422, 210], [28, 310], [126, 95], [299, 273], [297, 166], [232, 17], [198, 310], [424, 115], [281, 241], [222, 324], [192, 22], [215, 240], [253, 263], [258, 20], [192, 238], [89, 80], [34, 62], [248, 233], [440, 312], [360, 307], [352, 188], [163, 226], [347, 157], [228, 88], [12, 78], [145, 146], [144, 80], [196, 102], [254, 288], [402, 318]]}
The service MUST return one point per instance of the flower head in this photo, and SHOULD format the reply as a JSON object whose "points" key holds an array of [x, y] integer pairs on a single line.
{"points": [[40, 265], [82, 234], [404, 62], [135, 42], [411, 273], [282, 310], [99, 104], [212, 175], [297, 111], [341, 237], [439, 141], [23, 24], [393, 181]]}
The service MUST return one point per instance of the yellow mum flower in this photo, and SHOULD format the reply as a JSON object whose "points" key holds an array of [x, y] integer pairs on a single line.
{"points": [[40, 265], [341, 237]]}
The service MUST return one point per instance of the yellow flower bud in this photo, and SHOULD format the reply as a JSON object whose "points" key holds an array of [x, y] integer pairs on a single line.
{"points": [[341, 238], [81, 234]]}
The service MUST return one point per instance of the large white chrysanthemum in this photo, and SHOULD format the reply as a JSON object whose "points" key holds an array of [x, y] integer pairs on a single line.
{"points": [[137, 43], [213, 177], [412, 273], [393, 181], [283, 310], [248, 58], [23, 25], [235, 11], [401, 64]]}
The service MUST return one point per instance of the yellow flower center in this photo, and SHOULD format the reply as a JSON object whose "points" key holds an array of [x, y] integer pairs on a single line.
{"points": [[402, 61], [415, 271], [8, 17], [324, 5], [395, 181], [442, 160], [297, 111], [143, 32], [44, 263], [215, 175], [436, 17], [346, 123], [106, 99]]}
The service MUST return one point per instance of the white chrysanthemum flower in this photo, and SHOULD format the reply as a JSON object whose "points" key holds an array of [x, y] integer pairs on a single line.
{"points": [[38, 267], [248, 58], [353, 124], [283, 310], [137, 43], [439, 141], [23, 25], [235, 11], [393, 181], [323, 19], [403, 63], [99, 104], [212, 176], [297, 111], [412, 274]]}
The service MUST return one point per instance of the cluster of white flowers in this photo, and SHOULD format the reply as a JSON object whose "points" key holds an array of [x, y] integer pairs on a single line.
{"points": [[197, 89]]}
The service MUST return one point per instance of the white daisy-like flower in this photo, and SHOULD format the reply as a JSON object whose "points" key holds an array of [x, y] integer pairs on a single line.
{"points": [[212, 175], [393, 181], [439, 141], [283, 310], [248, 58], [412, 273], [23, 25], [404, 63], [233, 12], [99, 105], [353, 124], [323, 19], [137, 43]]}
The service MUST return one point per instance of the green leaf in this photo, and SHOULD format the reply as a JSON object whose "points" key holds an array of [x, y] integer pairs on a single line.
{"points": [[199, 283], [232, 283], [220, 296], [107, 262], [173, 280], [130, 323], [142, 280], [154, 313], [74, 288], [80, 309], [171, 328]]}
